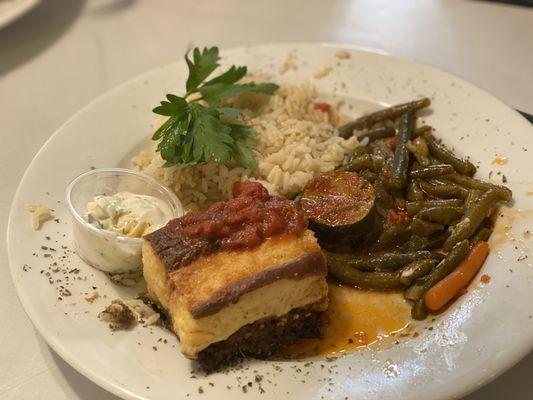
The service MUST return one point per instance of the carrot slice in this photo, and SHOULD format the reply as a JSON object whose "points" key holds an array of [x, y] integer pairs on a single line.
{"points": [[447, 288]]}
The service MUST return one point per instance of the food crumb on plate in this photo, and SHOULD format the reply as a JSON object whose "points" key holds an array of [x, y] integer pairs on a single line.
{"points": [[39, 214], [342, 55], [122, 315], [485, 278], [118, 314], [289, 64], [322, 72], [91, 299], [144, 313], [129, 278]]}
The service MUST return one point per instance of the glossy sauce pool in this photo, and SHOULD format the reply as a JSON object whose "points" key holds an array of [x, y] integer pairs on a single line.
{"points": [[355, 318]]}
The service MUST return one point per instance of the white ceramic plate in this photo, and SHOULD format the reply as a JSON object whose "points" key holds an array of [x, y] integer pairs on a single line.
{"points": [[10, 10], [485, 332]]}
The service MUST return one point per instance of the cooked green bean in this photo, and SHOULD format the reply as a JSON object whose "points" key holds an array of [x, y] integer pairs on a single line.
{"points": [[399, 199], [374, 229], [381, 156], [444, 181], [369, 175], [436, 241], [349, 260], [448, 209], [383, 197], [414, 292], [425, 228], [392, 261], [414, 193], [398, 176], [504, 193], [391, 235], [415, 243], [413, 207], [378, 132], [419, 310], [378, 162], [393, 112], [419, 148], [472, 218], [359, 151], [365, 280], [482, 235], [431, 242], [432, 171], [447, 264], [385, 261], [446, 191], [421, 130], [415, 270], [362, 162], [461, 165], [380, 147], [452, 259], [472, 197], [441, 215]]}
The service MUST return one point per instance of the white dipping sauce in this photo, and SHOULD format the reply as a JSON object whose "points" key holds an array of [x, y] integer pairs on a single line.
{"points": [[124, 218], [127, 214]]}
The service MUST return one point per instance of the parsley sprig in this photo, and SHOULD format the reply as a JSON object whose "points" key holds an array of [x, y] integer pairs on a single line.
{"points": [[195, 132]]}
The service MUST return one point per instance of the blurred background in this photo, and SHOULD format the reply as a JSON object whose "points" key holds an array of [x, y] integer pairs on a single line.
{"points": [[58, 55]]}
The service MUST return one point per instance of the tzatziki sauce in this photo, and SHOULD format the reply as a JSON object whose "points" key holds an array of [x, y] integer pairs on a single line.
{"points": [[127, 214], [123, 218]]}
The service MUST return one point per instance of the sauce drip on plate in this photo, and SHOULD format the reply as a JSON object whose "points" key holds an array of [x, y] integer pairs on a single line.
{"points": [[355, 318]]}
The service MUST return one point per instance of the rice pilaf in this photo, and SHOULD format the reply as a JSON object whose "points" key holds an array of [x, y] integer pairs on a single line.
{"points": [[295, 142]]}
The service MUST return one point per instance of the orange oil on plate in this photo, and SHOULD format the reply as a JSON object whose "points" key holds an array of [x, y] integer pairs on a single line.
{"points": [[355, 318], [502, 231], [500, 160]]}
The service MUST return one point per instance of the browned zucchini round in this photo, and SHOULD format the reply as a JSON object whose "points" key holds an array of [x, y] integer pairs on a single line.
{"points": [[339, 205]]}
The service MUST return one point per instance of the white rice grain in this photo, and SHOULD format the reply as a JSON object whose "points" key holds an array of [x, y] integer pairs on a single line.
{"points": [[295, 142]]}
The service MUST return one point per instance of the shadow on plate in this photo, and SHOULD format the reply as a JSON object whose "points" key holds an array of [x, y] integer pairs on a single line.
{"points": [[111, 7], [34, 32], [83, 387], [516, 380], [65, 375]]}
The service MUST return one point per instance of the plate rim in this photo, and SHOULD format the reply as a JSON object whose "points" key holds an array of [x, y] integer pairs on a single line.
{"points": [[21, 8], [511, 359]]}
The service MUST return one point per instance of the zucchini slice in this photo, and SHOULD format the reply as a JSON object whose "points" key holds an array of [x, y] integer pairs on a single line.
{"points": [[339, 205]]}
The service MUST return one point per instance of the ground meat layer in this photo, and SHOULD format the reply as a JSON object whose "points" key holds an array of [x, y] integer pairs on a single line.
{"points": [[263, 339]]}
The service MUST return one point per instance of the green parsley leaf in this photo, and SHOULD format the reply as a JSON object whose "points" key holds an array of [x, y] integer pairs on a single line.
{"points": [[244, 145], [232, 75], [230, 112], [163, 129], [211, 139], [174, 106], [171, 142], [212, 94], [194, 132], [201, 66]]}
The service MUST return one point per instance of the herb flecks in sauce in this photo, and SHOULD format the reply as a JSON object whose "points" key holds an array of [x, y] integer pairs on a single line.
{"points": [[127, 214]]}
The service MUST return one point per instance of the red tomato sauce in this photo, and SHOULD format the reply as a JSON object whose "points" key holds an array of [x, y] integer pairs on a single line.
{"points": [[324, 107], [245, 221]]}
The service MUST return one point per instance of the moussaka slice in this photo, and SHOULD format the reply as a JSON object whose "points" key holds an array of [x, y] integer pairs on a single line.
{"points": [[243, 278]]}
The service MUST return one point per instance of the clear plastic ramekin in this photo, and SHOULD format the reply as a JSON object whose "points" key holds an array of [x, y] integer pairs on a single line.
{"points": [[106, 250]]}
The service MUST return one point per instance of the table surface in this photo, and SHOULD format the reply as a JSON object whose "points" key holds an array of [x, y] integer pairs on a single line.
{"points": [[65, 53]]}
